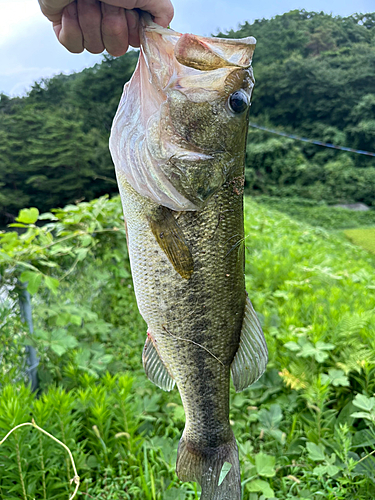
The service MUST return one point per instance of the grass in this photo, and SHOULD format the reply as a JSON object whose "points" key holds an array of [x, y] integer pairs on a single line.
{"points": [[364, 238], [318, 213], [298, 439], [358, 227]]}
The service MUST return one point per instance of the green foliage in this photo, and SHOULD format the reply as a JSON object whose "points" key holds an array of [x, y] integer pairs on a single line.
{"points": [[12, 341], [224, 471], [262, 486], [304, 430], [303, 348], [281, 167], [362, 237], [366, 405], [335, 377], [32, 467], [68, 250], [51, 253], [314, 77], [54, 142], [318, 213], [305, 284], [106, 426]]}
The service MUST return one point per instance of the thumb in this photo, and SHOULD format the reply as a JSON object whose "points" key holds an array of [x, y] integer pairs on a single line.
{"points": [[52, 9]]}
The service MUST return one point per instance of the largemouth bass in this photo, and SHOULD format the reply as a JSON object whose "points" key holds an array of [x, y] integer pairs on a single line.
{"points": [[178, 144]]}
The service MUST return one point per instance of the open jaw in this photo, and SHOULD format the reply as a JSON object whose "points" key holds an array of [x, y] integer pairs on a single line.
{"points": [[161, 140]]}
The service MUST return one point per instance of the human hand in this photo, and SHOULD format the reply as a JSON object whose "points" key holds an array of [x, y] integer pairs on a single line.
{"points": [[97, 25]]}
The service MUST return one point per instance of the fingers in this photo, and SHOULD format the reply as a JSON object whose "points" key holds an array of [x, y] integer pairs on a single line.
{"points": [[90, 19], [95, 25], [132, 19], [114, 29], [161, 10], [52, 9], [68, 30]]}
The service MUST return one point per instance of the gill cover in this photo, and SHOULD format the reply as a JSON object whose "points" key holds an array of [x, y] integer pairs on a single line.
{"points": [[157, 160]]}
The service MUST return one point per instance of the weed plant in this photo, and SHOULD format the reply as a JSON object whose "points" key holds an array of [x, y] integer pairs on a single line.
{"points": [[317, 213], [305, 429], [362, 237]]}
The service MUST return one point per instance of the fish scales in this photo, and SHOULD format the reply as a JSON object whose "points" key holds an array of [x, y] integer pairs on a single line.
{"points": [[187, 250], [207, 309]]}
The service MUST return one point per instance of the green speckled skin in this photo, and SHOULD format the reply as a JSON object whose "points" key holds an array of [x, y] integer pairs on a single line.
{"points": [[194, 317], [206, 309]]}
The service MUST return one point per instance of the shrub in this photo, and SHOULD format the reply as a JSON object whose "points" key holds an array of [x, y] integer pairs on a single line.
{"points": [[305, 430]]}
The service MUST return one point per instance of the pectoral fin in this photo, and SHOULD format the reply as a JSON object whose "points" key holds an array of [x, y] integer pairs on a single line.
{"points": [[171, 240], [155, 368], [251, 358]]}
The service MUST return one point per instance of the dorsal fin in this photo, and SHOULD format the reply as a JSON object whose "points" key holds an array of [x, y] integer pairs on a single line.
{"points": [[251, 358]]}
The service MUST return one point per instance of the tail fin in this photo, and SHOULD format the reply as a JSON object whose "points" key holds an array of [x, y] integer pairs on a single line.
{"points": [[206, 467]]}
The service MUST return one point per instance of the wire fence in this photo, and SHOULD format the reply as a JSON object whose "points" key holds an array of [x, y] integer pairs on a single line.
{"points": [[27, 364], [27, 317], [312, 141]]}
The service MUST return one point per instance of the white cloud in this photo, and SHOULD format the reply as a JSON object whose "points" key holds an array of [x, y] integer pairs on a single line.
{"points": [[16, 16], [34, 54], [29, 50]]}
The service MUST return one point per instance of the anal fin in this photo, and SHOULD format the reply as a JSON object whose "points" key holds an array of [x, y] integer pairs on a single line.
{"points": [[251, 358], [171, 240], [154, 367]]}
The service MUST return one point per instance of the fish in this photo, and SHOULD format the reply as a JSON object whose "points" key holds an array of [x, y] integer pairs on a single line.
{"points": [[178, 145]]}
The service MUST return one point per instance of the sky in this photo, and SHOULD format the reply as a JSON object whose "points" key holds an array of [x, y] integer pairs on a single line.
{"points": [[29, 50]]}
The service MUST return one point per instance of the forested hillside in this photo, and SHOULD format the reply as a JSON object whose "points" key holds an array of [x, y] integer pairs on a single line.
{"points": [[315, 76]]}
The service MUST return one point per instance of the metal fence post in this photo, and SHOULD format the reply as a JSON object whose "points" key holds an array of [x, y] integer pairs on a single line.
{"points": [[26, 317]]}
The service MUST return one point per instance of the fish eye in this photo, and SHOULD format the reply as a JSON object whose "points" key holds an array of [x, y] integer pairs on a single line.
{"points": [[238, 101]]}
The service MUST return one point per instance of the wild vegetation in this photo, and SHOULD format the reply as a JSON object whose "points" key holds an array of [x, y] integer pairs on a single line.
{"points": [[305, 429], [362, 237], [314, 77], [318, 213]]}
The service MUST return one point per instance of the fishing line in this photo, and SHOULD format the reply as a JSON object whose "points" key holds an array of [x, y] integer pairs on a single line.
{"points": [[311, 141], [195, 343]]}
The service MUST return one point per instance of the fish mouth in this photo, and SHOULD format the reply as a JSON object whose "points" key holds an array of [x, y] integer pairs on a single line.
{"points": [[197, 67], [169, 54]]}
